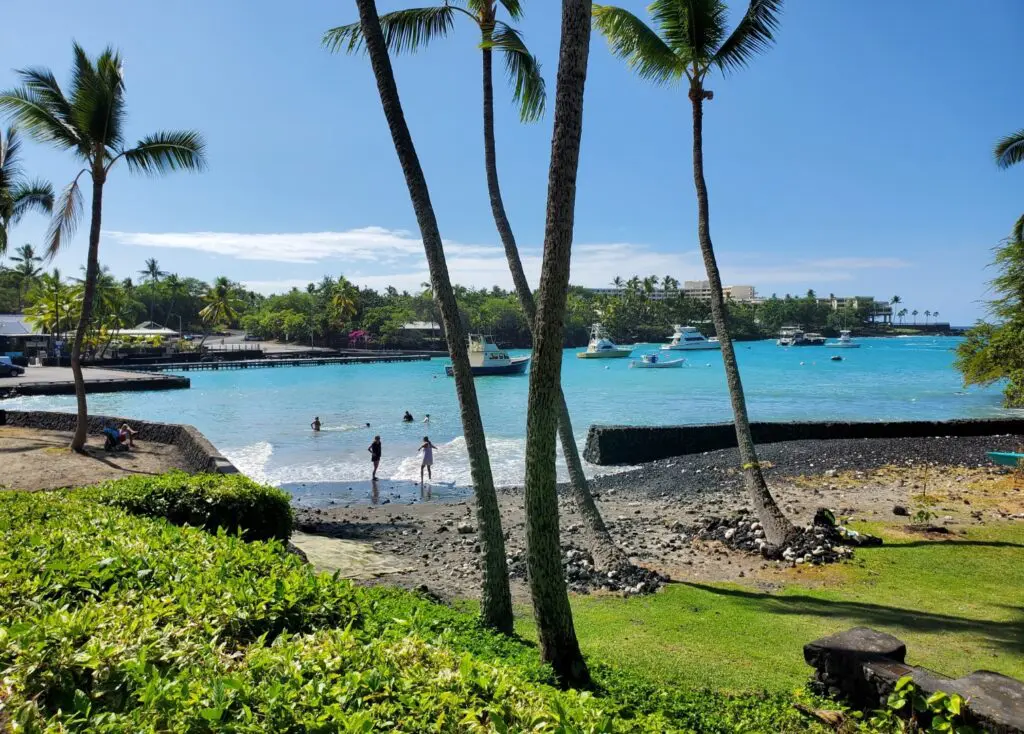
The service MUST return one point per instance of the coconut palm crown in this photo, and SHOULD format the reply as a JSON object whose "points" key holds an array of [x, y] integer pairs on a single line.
{"points": [[409, 30], [18, 195]]}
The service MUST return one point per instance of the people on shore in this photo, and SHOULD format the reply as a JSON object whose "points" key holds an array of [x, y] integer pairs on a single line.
{"points": [[428, 457], [407, 418], [374, 450], [127, 435], [315, 425]]}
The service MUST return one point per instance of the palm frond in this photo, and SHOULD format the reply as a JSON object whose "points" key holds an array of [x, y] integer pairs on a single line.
{"points": [[514, 8], [31, 114], [25, 197], [1018, 230], [97, 97], [1010, 150], [404, 30], [44, 85], [693, 29], [643, 49], [10, 167], [67, 212], [167, 151], [752, 36], [528, 88]]}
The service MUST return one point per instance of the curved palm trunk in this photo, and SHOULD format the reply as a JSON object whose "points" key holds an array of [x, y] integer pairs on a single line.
{"points": [[777, 528], [496, 601], [92, 269], [606, 553], [551, 609]]}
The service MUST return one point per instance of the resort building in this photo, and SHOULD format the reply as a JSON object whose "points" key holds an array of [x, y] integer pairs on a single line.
{"points": [[698, 289]]}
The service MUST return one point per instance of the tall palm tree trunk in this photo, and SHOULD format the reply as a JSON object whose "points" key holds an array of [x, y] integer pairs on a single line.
{"points": [[606, 553], [496, 601], [558, 643], [777, 528], [92, 269]]}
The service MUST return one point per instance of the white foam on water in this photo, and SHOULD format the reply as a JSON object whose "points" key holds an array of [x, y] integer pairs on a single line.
{"points": [[252, 460]]}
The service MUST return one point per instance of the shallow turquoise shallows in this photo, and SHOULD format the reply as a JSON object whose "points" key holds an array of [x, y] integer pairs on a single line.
{"points": [[260, 418]]}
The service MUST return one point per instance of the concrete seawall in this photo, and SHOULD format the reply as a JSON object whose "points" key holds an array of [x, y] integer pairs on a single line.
{"points": [[199, 453], [608, 445]]}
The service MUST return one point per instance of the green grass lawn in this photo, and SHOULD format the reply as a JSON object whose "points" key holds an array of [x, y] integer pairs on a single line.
{"points": [[958, 604]]}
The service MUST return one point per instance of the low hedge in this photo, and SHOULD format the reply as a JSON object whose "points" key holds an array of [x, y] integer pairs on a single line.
{"points": [[115, 623], [230, 502]]}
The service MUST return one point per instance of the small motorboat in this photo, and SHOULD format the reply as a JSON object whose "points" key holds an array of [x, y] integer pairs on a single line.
{"points": [[653, 361], [486, 359], [1007, 458], [836, 358], [845, 341], [601, 347]]}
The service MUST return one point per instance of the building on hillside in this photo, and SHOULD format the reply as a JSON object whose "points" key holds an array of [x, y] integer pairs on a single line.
{"points": [[698, 289], [877, 310], [18, 337]]}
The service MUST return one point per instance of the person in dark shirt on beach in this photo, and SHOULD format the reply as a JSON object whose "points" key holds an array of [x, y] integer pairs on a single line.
{"points": [[375, 455]]}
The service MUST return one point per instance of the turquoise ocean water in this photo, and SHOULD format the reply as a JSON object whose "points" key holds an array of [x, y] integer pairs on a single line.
{"points": [[260, 418]]}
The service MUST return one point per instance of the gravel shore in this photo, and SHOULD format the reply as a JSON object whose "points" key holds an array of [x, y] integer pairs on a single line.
{"points": [[649, 508]]}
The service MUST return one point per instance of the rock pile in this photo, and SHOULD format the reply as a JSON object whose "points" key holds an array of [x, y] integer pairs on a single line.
{"points": [[582, 577], [822, 542]]}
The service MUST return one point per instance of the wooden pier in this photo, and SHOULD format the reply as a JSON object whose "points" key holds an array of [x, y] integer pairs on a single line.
{"points": [[245, 364]]}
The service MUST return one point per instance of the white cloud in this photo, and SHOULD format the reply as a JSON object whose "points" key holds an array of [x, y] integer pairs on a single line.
{"points": [[377, 257]]}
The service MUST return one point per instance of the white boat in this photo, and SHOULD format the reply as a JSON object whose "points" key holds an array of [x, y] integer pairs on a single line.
{"points": [[485, 358], [845, 341], [794, 336], [601, 347], [653, 361], [689, 338]]}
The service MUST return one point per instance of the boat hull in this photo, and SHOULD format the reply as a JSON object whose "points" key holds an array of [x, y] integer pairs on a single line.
{"points": [[607, 354], [517, 366], [701, 347], [672, 363], [839, 345], [1007, 458]]}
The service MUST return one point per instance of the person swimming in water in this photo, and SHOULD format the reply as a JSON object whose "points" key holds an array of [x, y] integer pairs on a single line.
{"points": [[428, 457], [315, 425], [407, 418], [426, 418]]}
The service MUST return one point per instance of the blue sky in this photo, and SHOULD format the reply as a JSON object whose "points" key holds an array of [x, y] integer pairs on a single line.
{"points": [[853, 158]]}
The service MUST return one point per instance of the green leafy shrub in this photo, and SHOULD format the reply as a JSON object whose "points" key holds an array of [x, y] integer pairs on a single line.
{"points": [[909, 711], [116, 623], [211, 501]]}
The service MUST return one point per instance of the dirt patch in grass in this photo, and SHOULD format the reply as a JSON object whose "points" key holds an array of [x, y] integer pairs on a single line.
{"points": [[35, 459]]}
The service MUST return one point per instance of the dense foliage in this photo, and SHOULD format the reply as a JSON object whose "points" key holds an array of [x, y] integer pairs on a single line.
{"points": [[110, 622], [233, 502], [337, 313]]}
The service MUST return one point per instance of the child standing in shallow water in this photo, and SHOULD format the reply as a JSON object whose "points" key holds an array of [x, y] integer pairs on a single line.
{"points": [[428, 457], [375, 455]]}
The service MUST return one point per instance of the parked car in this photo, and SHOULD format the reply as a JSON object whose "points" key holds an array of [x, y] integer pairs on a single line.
{"points": [[253, 338], [9, 369]]}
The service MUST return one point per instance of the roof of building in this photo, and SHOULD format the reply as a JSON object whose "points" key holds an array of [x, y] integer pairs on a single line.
{"points": [[15, 324]]}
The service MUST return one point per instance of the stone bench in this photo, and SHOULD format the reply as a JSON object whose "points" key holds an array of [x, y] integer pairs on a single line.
{"points": [[863, 665]]}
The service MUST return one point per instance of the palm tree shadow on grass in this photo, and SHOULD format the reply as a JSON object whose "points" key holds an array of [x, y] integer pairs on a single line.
{"points": [[1004, 635], [954, 543]]}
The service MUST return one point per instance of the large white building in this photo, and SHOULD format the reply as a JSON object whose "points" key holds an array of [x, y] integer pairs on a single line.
{"points": [[699, 289]]}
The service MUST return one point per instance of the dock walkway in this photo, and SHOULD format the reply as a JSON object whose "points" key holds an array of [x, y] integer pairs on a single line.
{"points": [[244, 364]]}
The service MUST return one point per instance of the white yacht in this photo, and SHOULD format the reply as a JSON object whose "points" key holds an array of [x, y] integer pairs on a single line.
{"points": [[845, 341], [601, 347], [485, 358], [794, 336], [689, 338]]}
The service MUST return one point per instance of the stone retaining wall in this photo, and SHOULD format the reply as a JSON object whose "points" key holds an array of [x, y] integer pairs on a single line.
{"points": [[199, 453], [635, 444]]}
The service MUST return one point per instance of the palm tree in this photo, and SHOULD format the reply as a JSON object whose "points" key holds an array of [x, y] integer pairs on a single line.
{"points": [[927, 314], [344, 298], [18, 196], [1009, 151], [935, 315], [693, 42], [152, 275], [51, 301], [914, 314], [618, 282], [90, 123], [222, 304], [174, 288], [496, 598], [902, 314], [408, 30], [551, 610], [27, 270]]}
